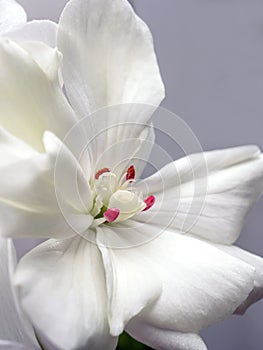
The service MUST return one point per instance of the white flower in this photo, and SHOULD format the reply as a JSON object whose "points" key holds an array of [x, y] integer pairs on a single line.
{"points": [[92, 280], [15, 331]]}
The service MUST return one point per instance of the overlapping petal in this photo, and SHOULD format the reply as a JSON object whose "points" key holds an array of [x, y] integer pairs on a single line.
{"points": [[38, 37], [48, 59], [37, 31], [123, 278], [206, 194], [68, 278], [34, 203], [11, 15], [30, 102]]}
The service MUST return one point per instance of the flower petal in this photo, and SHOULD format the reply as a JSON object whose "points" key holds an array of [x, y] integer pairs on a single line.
{"points": [[206, 194], [12, 149], [70, 181], [199, 284], [257, 263], [40, 31], [109, 60], [35, 204], [13, 325], [115, 144], [126, 270], [11, 15], [39, 39], [47, 58], [67, 278], [108, 56], [164, 339], [39, 103]]}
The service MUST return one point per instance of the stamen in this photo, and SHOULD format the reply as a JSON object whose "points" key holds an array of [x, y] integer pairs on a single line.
{"points": [[130, 175], [101, 171], [149, 202], [111, 214]]}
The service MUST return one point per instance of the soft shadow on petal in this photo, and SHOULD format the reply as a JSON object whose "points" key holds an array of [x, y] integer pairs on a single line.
{"points": [[11, 15], [164, 339], [208, 195], [67, 279]]}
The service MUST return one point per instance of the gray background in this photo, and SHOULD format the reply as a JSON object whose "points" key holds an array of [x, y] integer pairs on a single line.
{"points": [[211, 58]]}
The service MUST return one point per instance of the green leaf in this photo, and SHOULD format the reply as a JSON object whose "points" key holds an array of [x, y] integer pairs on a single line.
{"points": [[128, 343]]}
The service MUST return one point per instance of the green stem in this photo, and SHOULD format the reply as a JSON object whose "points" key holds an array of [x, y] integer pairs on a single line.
{"points": [[102, 211]]}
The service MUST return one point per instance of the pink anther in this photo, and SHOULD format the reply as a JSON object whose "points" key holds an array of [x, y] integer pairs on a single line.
{"points": [[111, 214], [149, 202], [130, 174]]}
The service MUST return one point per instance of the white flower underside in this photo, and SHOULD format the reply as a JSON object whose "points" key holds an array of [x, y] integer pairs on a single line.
{"points": [[80, 294]]}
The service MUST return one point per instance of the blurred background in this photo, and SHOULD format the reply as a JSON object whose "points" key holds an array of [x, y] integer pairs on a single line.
{"points": [[211, 58]]}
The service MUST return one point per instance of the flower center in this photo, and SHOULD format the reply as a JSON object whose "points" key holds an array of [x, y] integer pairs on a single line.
{"points": [[116, 201]]}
